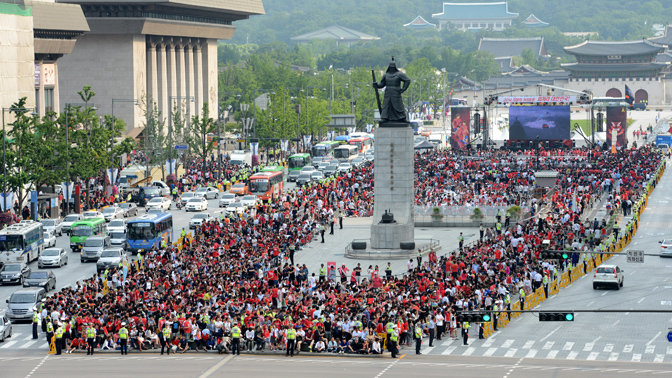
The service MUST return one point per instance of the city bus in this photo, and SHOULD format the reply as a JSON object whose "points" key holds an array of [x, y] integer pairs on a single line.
{"points": [[267, 185], [363, 144], [21, 242], [147, 231], [273, 168], [298, 161], [324, 148], [81, 230], [346, 153], [342, 139]]}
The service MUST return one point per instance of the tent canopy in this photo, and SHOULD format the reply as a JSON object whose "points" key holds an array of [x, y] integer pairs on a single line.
{"points": [[424, 145]]}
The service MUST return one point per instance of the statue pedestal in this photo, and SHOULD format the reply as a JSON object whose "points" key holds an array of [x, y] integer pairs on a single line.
{"points": [[393, 175]]}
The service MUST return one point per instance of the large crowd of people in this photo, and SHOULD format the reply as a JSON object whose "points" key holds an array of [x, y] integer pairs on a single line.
{"points": [[235, 283]]}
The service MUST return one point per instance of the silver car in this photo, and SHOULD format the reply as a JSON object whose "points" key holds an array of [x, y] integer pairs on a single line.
{"points": [[5, 328], [23, 302], [110, 258], [226, 199], [69, 220], [55, 226], [665, 247], [113, 213], [52, 257], [93, 247]]}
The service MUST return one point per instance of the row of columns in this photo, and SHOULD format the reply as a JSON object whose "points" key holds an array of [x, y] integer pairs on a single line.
{"points": [[175, 69]]}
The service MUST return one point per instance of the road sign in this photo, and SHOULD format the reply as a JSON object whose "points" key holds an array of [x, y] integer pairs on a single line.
{"points": [[635, 256], [181, 147], [669, 336]]}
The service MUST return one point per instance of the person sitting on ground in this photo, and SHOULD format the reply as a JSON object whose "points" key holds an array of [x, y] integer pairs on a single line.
{"points": [[375, 348], [366, 348], [343, 346], [332, 346], [319, 346], [223, 346]]}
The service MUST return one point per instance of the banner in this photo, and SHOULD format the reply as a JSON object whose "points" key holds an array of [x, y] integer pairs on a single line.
{"points": [[536, 99], [284, 144], [9, 198], [351, 130], [254, 148], [369, 127], [170, 166], [306, 140], [617, 118], [68, 190], [332, 135], [112, 175], [459, 137], [545, 122]]}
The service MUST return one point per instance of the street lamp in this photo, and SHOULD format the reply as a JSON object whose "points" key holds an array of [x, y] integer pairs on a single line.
{"points": [[4, 148], [67, 142], [170, 126]]}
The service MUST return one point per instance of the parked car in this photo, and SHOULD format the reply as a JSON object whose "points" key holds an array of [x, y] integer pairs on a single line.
{"points": [[196, 204], [93, 247], [186, 196], [52, 257], [293, 175], [608, 275], [55, 226], [249, 201], [226, 198], [304, 178], [5, 328], [69, 220], [239, 189], [130, 209], [43, 279], [92, 214], [198, 219], [117, 225], [665, 247], [49, 239], [161, 203], [14, 273], [208, 192], [235, 207], [22, 303], [113, 212], [118, 239], [109, 258]]}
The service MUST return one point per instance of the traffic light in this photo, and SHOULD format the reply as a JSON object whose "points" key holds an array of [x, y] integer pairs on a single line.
{"points": [[554, 255], [556, 316], [474, 316]]}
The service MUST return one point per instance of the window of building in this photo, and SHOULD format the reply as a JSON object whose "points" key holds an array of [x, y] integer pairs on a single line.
{"points": [[48, 99], [37, 98]]}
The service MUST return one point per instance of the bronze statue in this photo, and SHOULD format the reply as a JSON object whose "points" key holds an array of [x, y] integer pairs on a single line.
{"points": [[395, 83]]}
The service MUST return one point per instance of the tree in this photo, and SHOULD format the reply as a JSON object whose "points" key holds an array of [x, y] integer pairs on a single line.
{"points": [[20, 152], [156, 137], [201, 127]]}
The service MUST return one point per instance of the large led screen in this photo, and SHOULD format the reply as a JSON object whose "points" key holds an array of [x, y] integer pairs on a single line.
{"points": [[545, 122]]}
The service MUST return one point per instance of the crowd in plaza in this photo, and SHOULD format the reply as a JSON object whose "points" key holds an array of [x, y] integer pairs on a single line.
{"points": [[235, 283]]}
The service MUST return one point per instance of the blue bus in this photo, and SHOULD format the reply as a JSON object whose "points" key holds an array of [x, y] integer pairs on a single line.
{"points": [[342, 139], [148, 231]]}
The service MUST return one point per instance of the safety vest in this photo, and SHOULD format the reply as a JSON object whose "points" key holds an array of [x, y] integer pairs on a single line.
{"points": [[123, 333], [184, 233], [166, 333], [545, 280], [174, 190], [291, 334], [323, 272], [499, 226], [507, 300], [418, 333], [164, 243], [389, 327], [358, 324], [59, 333], [388, 269], [465, 325], [394, 337], [36, 317], [91, 333], [522, 293], [461, 239], [495, 309], [50, 327], [235, 332]]}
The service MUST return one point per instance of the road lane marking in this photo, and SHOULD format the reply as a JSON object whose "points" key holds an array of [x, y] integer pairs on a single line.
{"points": [[548, 345], [652, 340], [510, 352], [528, 344], [593, 356], [636, 357], [609, 348], [221, 363], [641, 300], [448, 350], [28, 344], [659, 358], [628, 348], [469, 351], [613, 357], [572, 355], [588, 347], [552, 354], [568, 346], [489, 352], [551, 333], [507, 344], [488, 342], [650, 349], [9, 344], [616, 322], [531, 353]]}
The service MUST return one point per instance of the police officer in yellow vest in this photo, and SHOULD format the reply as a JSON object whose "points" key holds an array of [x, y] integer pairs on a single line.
{"points": [[291, 340], [123, 338], [521, 294], [36, 321], [50, 330], [323, 273], [495, 314], [235, 340], [544, 281], [388, 271], [165, 338], [392, 342], [59, 338], [90, 338], [417, 335], [465, 333]]}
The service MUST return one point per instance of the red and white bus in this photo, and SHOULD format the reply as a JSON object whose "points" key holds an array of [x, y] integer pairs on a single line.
{"points": [[267, 185], [363, 144]]}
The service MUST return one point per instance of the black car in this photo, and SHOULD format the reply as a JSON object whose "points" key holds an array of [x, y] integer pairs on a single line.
{"points": [[130, 209], [45, 279], [14, 273], [293, 175], [304, 178]]}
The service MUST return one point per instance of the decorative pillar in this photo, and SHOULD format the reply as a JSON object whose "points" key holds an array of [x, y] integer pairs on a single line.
{"points": [[200, 91], [181, 71], [173, 77], [191, 74], [162, 81], [152, 74]]}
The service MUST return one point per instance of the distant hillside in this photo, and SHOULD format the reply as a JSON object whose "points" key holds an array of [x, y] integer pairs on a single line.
{"points": [[612, 19]]}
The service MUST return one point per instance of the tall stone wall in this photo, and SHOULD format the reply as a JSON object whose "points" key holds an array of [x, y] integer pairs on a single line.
{"points": [[17, 56]]}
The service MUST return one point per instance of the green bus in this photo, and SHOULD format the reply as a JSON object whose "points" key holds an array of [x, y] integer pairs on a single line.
{"points": [[273, 168], [298, 161], [84, 228], [324, 148]]}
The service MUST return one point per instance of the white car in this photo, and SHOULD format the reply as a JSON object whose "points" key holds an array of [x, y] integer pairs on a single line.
{"points": [[161, 203], [249, 201], [608, 275], [307, 168], [316, 176], [196, 204], [665, 247], [226, 199], [117, 225], [199, 219], [52, 257], [92, 214], [344, 167], [208, 192], [186, 196], [49, 239], [53, 225], [69, 220], [113, 213], [235, 207]]}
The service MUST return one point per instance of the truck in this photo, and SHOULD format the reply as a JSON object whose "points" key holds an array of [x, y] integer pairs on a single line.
{"points": [[240, 157], [664, 142]]}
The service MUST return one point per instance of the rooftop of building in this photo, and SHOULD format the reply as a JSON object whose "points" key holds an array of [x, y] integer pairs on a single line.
{"points": [[335, 32], [611, 67], [243, 8], [665, 39], [533, 21], [471, 11], [420, 23], [600, 48], [502, 47]]}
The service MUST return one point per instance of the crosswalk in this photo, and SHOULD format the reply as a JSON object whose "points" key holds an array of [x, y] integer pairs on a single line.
{"points": [[20, 340], [568, 350]]}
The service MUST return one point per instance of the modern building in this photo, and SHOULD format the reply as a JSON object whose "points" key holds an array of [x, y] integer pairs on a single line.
{"points": [[473, 16], [420, 23], [340, 34], [34, 35], [162, 50]]}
